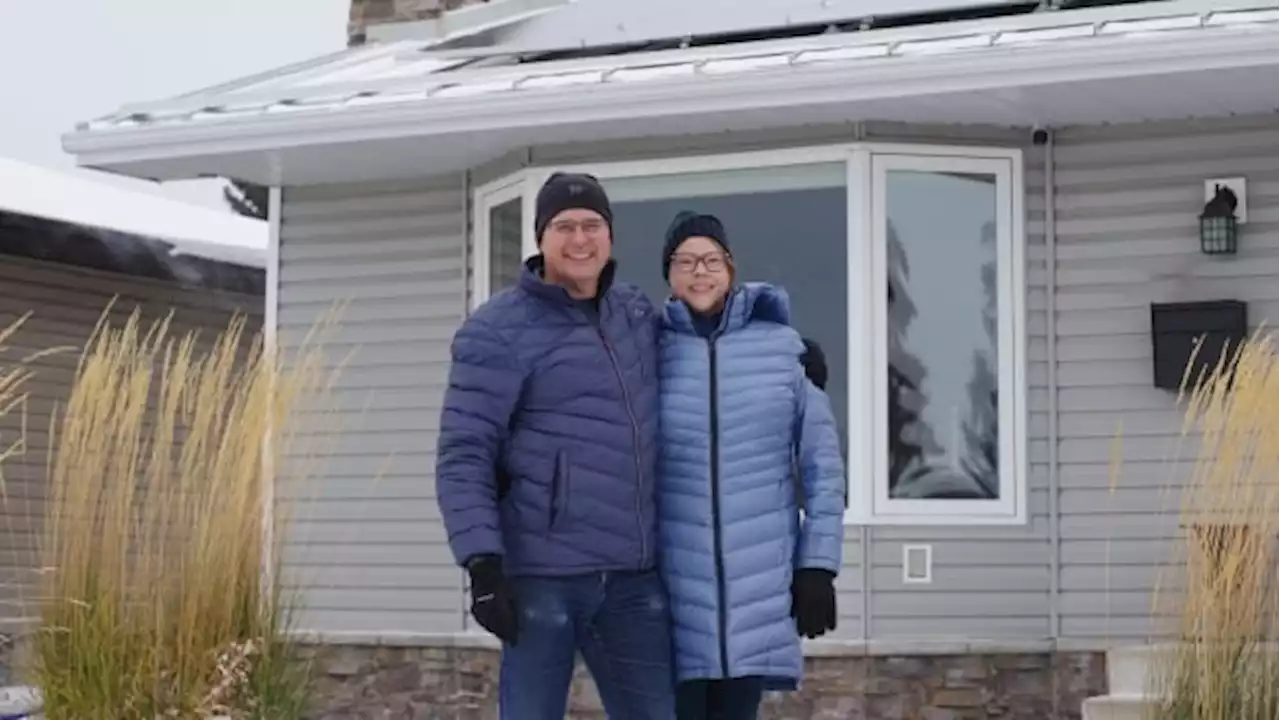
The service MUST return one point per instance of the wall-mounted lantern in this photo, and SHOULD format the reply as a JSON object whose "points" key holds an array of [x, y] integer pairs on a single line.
{"points": [[1219, 226]]}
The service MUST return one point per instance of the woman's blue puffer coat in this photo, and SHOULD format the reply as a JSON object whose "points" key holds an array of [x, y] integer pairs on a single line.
{"points": [[738, 419]]}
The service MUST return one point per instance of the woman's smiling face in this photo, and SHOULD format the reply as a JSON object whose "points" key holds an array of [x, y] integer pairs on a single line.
{"points": [[701, 274]]}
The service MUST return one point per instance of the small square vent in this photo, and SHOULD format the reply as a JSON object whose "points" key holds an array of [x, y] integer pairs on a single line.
{"points": [[917, 564]]}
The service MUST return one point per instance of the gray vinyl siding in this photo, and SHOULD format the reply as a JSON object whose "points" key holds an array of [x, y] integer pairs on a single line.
{"points": [[364, 543], [1126, 206], [66, 303], [1127, 202]]}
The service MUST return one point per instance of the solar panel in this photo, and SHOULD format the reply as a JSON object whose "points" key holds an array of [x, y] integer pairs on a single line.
{"points": [[1072, 4], [599, 23]]}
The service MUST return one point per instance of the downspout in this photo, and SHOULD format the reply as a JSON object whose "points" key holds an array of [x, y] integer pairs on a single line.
{"points": [[466, 244], [864, 530], [1051, 324], [466, 311], [271, 336]]}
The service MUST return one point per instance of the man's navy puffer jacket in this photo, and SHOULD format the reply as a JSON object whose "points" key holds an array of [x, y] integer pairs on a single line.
{"points": [[549, 432]]}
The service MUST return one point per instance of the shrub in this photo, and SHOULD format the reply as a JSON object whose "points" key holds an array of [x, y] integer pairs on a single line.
{"points": [[1224, 663], [159, 595]]}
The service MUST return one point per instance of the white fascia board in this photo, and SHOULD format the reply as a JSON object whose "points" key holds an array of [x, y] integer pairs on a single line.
{"points": [[1087, 59]]}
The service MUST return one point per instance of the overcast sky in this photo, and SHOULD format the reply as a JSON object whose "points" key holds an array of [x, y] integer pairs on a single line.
{"points": [[64, 62]]}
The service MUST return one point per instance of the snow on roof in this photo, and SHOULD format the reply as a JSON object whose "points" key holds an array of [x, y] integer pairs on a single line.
{"points": [[420, 72], [35, 191]]}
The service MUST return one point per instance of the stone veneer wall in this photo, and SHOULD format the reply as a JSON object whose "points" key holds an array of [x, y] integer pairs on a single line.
{"points": [[458, 683], [373, 12]]}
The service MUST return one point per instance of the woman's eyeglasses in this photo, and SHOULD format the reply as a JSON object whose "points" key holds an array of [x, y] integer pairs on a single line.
{"points": [[687, 263]]}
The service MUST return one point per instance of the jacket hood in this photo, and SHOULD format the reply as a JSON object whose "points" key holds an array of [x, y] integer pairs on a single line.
{"points": [[747, 303]]}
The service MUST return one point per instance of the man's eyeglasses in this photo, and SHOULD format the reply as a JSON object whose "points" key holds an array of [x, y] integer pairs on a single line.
{"points": [[590, 227], [687, 263]]}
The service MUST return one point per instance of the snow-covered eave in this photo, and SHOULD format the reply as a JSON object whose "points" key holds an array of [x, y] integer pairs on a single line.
{"points": [[44, 193], [538, 108]]}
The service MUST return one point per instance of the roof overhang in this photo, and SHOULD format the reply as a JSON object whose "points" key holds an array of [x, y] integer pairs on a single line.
{"points": [[75, 199], [1125, 77]]}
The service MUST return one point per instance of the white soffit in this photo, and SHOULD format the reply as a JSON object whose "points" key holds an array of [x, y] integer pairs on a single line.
{"points": [[403, 74]]}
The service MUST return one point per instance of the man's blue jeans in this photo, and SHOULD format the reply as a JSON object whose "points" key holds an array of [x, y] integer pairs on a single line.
{"points": [[620, 624]]}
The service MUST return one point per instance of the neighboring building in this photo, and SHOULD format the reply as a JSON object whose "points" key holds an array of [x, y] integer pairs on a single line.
{"points": [[973, 207], [69, 248]]}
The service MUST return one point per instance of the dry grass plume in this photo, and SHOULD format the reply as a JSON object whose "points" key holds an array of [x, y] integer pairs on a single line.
{"points": [[156, 596], [1224, 663]]}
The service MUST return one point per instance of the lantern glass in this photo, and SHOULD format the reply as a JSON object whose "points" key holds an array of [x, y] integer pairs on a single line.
{"points": [[1218, 234]]}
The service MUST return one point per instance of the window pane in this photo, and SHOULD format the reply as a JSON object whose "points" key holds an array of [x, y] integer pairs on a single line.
{"points": [[742, 181], [943, 409], [791, 232], [505, 231]]}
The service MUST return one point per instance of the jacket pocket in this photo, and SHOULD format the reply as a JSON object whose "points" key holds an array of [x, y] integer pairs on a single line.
{"points": [[561, 488]]}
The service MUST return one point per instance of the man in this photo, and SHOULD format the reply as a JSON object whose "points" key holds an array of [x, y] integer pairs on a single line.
{"points": [[814, 361], [546, 468]]}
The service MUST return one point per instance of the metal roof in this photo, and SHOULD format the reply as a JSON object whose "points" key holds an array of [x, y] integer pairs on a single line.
{"points": [[413, 73]]}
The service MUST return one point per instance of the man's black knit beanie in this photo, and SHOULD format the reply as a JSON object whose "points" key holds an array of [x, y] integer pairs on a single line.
{"points": [[569, 191]]}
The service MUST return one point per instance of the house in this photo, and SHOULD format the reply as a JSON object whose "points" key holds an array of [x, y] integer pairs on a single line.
{"points": [[70, 247], [974, 206]]}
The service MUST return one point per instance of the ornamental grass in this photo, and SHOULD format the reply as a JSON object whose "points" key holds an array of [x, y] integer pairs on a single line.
{"points": [[158, 590]]}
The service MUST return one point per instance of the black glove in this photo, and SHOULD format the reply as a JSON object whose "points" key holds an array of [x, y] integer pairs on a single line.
{"points": [[492, 603], [815, 363], [813, 601]]}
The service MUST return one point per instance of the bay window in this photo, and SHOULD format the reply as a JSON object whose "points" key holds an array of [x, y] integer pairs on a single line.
{"points": [[903, 262]]}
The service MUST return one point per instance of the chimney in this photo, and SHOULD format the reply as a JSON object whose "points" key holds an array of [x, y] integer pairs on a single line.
{"points": [[365, 13]]}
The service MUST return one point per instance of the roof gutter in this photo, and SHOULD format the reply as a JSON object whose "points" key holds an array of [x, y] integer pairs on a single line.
{"points": [[962, 71]]}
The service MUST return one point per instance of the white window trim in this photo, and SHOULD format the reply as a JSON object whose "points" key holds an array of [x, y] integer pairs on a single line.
{"points": [[485, 198], [1011, 359], [867, 455]]}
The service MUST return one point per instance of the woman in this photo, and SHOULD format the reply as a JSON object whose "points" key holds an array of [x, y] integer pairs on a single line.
{"points": [[746, 575]]}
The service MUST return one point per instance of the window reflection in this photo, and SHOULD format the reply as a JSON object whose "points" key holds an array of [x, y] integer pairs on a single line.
{"points": [[786, 226], [943, 404], [505, 231]]}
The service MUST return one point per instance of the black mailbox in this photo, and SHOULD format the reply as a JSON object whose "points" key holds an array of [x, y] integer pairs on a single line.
{"points": [[1177, 327]]}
